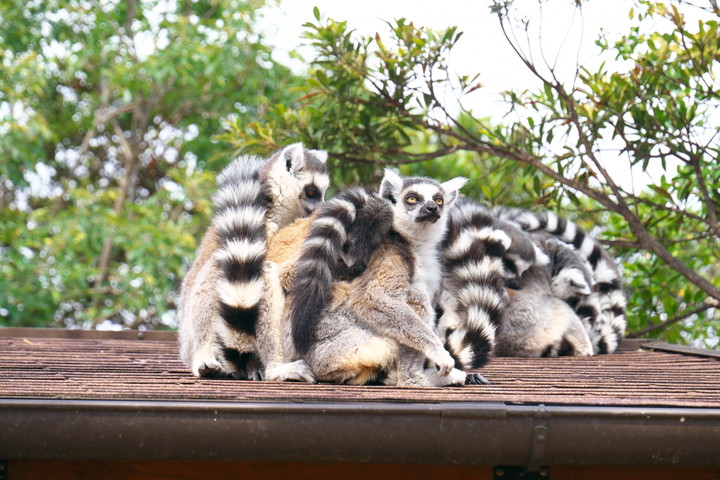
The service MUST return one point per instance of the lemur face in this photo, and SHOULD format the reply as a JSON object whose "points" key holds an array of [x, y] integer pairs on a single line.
{"points": [[312, 179], [520, 256], [297, 179], [423, 202], [419, 203]]}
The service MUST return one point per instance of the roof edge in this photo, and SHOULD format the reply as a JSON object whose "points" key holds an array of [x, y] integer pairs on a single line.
{"points": [[660, 346], [31, 332], [443, 433]]}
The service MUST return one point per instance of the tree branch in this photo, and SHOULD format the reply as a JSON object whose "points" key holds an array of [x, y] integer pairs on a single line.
{"points": [[667, 323]]}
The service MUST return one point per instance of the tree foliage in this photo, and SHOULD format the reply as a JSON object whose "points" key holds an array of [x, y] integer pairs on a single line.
{"points": [[107, 115], [108, 111], [392, 100]]}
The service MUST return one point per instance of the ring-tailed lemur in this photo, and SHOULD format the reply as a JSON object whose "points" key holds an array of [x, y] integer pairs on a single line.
{"points": [[570, 278], [220, 295], [380, 323], [380, 326], [609, 325], [483, 255], [536, 323], [334, 244]]}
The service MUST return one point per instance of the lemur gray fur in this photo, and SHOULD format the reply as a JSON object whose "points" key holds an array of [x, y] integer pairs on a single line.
{"points": [[536, 323], [608, 326], [378, 326], [570, 277], [220, 294]]}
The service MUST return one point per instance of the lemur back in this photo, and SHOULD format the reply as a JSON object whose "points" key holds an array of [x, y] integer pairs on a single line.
{"points": [[608, 327], [570, 278], [221, 293], [536, 323], [305, 258]]}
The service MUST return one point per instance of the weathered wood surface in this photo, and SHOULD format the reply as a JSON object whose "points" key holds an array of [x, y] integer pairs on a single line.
{"points": [[132, 369]]}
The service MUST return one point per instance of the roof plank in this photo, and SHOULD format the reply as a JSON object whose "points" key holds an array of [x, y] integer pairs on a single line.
{"points": [[107, 368]]}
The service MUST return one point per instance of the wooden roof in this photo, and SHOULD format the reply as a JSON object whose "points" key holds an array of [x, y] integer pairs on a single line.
{"points": [[108, 367], [73, 395]]}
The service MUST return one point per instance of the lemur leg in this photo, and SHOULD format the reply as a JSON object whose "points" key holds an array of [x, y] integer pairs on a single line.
{"points": [[200, 346], [346, 352], [409, 370], [576, 340], [419, 300], [272, 331], [396, 320]]}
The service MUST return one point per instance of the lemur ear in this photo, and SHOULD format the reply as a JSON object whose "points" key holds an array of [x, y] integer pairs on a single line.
{"points": [[541, 258], [293, 156], [451, 189], [391, 185], [321, 155]]}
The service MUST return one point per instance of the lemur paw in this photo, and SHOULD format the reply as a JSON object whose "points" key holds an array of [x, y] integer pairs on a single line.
{"points": [[456, 378], [209, 368], [270, 267], [444, 363], [297, 371], [253, 374], [271, 229]]}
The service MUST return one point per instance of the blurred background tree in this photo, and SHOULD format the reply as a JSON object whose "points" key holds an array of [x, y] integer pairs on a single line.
{"points": [[107, 112], [115, 107]]}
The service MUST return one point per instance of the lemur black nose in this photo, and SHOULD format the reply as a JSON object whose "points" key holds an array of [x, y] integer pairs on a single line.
{"points": [[431, 207]]}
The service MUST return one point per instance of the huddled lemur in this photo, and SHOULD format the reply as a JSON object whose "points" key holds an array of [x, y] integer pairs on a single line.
{"points": [[536, 323], [604, 308], [221, 294], [539, 320], [333, 244], [483, 255], [379, 325]]}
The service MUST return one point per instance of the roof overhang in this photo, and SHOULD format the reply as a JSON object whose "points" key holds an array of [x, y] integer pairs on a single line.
{"points": [[447, 433]]}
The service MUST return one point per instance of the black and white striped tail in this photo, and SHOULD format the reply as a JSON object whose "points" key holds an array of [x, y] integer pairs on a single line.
{"points": [[609, 326], [240, 206], [349, 227], [474, 288]]}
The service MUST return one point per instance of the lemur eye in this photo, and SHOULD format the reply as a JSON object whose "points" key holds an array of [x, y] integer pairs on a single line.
{"points": [[311, 191], [411, 199], [439, 200]]}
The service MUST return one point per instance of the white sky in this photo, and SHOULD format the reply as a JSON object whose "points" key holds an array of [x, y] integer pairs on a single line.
{"points": [[481, 49], [565, 35]]}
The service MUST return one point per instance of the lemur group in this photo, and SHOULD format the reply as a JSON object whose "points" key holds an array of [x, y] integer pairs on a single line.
{"points": [[408, 285]]}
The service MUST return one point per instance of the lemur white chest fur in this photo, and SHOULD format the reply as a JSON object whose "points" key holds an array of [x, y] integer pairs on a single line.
{"points": [[428, 268]]}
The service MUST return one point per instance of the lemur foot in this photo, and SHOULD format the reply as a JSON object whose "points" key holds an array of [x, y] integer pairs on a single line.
{"points": [[297, 371], [444, 363], [210, 369], [476, 379]]}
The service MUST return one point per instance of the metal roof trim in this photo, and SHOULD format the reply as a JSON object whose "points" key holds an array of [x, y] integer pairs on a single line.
{"points": [[442, 433]]}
